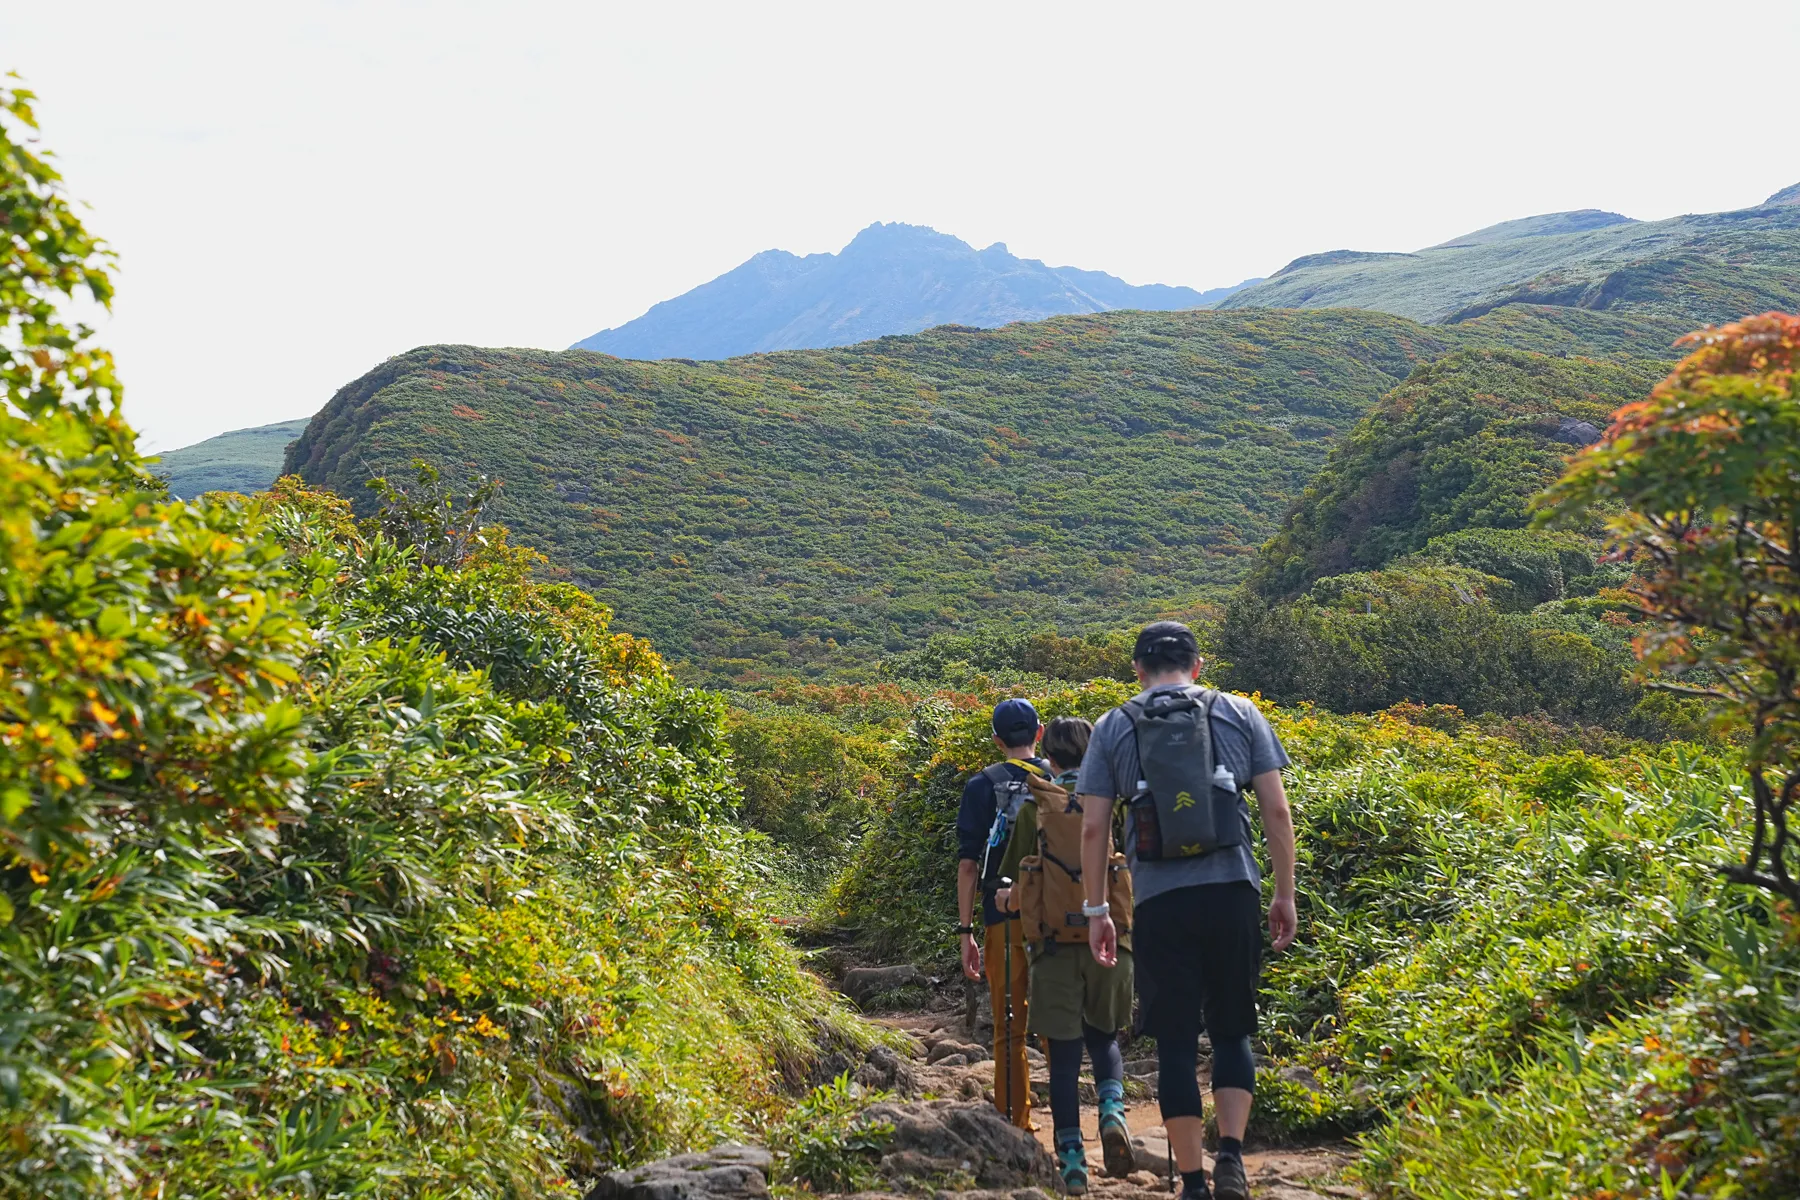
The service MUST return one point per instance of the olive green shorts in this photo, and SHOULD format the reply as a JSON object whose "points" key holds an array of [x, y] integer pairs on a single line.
{"points": [[1069, 987]]}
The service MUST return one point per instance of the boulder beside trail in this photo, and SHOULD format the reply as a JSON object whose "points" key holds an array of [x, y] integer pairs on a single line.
{"points": [[970, 1052], [935, 1143], [725, 1173], [863, 984], [939, 1139]]}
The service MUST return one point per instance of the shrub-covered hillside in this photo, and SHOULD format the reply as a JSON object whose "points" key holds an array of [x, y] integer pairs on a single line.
{"points": [[244, 460], [332, 864], [1408, 570], [1464, 443], [418, 872], [763, 511], [1702, 267]]}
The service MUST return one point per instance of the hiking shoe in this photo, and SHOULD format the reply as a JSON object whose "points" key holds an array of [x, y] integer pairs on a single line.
{"points": [[1228, 1178], [1115, 1145], [1071, 1160]]}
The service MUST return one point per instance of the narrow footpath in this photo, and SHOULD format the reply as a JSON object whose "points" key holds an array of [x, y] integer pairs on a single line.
{"points": [[949, 1063]]}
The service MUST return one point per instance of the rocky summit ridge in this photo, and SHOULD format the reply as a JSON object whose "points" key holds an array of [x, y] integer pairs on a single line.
{"points": [[892, 278]]}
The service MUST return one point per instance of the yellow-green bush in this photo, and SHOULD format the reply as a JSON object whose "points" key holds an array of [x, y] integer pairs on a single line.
{"points": [[326, 872]]}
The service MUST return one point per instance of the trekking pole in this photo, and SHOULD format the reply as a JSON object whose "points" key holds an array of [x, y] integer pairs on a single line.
{"points": [[1006, 986]]}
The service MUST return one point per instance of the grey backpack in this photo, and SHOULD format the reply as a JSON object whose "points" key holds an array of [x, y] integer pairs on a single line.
{"points": [[1186, 803], [1010, 795]]}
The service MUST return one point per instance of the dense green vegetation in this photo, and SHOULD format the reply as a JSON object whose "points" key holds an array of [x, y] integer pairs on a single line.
{"points": [[1694, 269], [762, 513], [461, 905], [1432, 632], [1407, 571], [1700, 484], [244, 460], [1464, 443], [808, 782], [328, 871]]}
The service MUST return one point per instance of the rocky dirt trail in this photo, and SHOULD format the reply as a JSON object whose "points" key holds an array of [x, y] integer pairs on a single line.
{"points": [[949, 1062], [949, 1142]]}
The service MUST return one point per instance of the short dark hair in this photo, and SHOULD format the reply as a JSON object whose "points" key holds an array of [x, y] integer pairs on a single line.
{"points": [[1066, 741], [1166, 646]]}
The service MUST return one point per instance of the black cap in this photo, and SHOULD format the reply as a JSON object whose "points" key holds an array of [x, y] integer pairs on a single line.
{"points": [[1165, 637]]}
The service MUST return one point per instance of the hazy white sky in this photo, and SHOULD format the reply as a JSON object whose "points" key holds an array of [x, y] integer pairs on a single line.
{"points": [[300, 190]]}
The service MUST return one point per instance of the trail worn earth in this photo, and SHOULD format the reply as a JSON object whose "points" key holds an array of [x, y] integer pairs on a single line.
{"points": [[963, 1068]]}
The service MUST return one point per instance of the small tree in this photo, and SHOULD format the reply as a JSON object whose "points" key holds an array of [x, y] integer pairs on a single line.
{"points": [[1707, 471], [444, 523]]}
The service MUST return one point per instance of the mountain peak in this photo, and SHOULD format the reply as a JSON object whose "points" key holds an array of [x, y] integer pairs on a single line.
{"points": [[883, 234], [891, 278]]}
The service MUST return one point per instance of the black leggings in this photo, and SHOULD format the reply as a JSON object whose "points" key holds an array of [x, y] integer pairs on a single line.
{"points": [[1065, 1071], [1176, 1059]]}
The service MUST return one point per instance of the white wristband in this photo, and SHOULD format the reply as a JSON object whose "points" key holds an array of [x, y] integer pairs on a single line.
{"points": [[1095, 910]]}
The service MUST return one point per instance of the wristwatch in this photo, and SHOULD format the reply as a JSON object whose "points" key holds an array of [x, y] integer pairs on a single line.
{"points": [[968, 929], [1095, 910]]}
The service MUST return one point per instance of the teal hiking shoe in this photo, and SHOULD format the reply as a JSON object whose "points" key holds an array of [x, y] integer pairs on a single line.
{"points": [[1071, 1160], [1115, 1138]]}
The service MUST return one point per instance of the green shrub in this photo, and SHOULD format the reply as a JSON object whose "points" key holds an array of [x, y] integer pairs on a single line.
{"points": [[1425, 633], [471, 919], [1700, 1097], [825, 1143], [328, 870], [808, 783], [1464, 443]]}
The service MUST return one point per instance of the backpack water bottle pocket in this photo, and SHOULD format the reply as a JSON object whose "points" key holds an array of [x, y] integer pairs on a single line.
{"points": [[1146, 826]]}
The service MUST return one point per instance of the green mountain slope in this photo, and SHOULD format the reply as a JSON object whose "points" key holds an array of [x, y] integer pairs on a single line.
{"points": [[1407, 571], [1083, 470], [1464, 443], [1699, 268], [244, 460]]}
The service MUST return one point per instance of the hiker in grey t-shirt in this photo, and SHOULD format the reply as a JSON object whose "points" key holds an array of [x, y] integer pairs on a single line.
{"points": [[1196, 921]]}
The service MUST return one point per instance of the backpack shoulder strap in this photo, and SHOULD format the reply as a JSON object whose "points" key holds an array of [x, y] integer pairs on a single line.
{"points": [[998, 775]]}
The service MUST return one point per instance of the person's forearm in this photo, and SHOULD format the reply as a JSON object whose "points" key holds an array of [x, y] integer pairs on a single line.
{"points": [[965, 891], [1278, 828], [1096, 846]]}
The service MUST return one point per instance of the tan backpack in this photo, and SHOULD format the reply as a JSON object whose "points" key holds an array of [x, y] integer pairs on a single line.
{"points": [[1050, 891]]}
